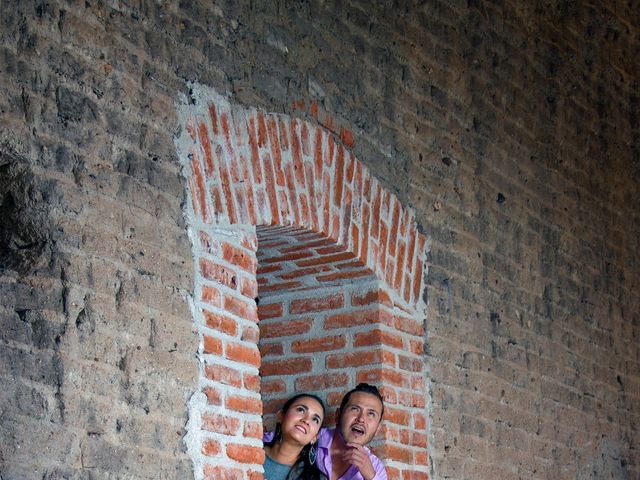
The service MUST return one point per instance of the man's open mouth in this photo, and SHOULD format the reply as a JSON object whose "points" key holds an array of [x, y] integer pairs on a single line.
{"points": [[358, 430]]}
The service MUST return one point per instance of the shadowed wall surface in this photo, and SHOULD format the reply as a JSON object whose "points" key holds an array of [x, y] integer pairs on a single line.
{"points": [[510, 128]]}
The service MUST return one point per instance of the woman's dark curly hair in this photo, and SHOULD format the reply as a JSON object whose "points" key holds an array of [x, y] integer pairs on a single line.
{"points": [[303, 469]]}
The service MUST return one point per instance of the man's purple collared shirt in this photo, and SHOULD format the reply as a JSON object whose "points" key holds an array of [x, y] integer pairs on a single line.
{"points": [[325, 437]]}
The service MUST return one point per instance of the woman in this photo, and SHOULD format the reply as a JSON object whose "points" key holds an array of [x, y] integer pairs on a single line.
{"points": [[291, 451]]}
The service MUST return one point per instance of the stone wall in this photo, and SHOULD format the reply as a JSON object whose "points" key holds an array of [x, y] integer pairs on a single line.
{"points": [[510, 128]]}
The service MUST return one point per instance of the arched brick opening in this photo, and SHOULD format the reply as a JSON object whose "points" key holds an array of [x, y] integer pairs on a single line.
{"points": [[283, 215]]}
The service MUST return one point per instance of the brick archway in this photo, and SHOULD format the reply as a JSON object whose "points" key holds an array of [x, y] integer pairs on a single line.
{"points": [[292, 179]]}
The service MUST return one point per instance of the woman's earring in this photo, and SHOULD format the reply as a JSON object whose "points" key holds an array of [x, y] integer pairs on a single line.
{"points": [[312, 454]]}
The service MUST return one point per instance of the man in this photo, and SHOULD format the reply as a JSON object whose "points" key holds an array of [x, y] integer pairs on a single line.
{"points": [[342, 454]]}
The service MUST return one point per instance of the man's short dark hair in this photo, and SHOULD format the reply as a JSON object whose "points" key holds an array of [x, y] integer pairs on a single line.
{"points": [[365, 388]]}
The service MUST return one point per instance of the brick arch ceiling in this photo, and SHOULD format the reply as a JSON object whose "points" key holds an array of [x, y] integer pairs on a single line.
{"points": [[247, 168]]}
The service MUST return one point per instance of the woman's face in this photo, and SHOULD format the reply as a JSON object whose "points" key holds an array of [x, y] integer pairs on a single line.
{"points": [[302, 421]]}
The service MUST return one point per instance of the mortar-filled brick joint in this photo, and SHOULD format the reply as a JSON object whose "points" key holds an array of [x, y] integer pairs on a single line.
{"points": [[282, 214]]}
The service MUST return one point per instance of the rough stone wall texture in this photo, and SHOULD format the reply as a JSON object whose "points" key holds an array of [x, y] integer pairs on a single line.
{"points": [[512, 128]]}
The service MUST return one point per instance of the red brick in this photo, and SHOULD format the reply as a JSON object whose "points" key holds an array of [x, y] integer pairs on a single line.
{"points": [[218, 273], [272, 287], [282, 129], [247, 354], [225, 182], [346, 136], [389, 394], [377, 337], [245, 453], [321, 382], [408, 325], [213, 116], [262, 269], [223, 424], [211, 448], [222, 473], [345, 274], [413, 475], [211, 295], [241, 308], [255, 158], [355, 239], [239, 257], [271, 349], [293, 196], [350, 319], [399, 454], [206, 146], [393, 473], [221, 323], [419, 421], [422, 458], [285, 328], [306, 305], [375, 211], [212, 345], [297, 155], [317, 158], [338, 184], [216, 196], [360, 358], [252, 430], [271, 191], [255, 475], [397, 416], [269, 310], [417, 347], [326, 204], [276, 153], [301, 272], [244, 404], [284, 206], [383, 376], [251, 382], [214, 397], [393, 226], [364, 250], [418, 439], [223, 374], [383, 247], [314, 213], [226, 130], [410, 364], [326, 259], [286, 367], [323, 344], [200, 191], [262, 130], [397, 281], [273, 386]]}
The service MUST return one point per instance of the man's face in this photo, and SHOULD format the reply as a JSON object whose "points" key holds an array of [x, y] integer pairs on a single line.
{"points": [[359, 420]]}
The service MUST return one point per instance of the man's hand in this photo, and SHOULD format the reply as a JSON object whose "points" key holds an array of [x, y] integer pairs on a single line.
{"points": [[356, 454]]}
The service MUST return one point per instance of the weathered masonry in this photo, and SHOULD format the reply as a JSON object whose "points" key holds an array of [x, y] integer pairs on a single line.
{"points": [[298, 244]]}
